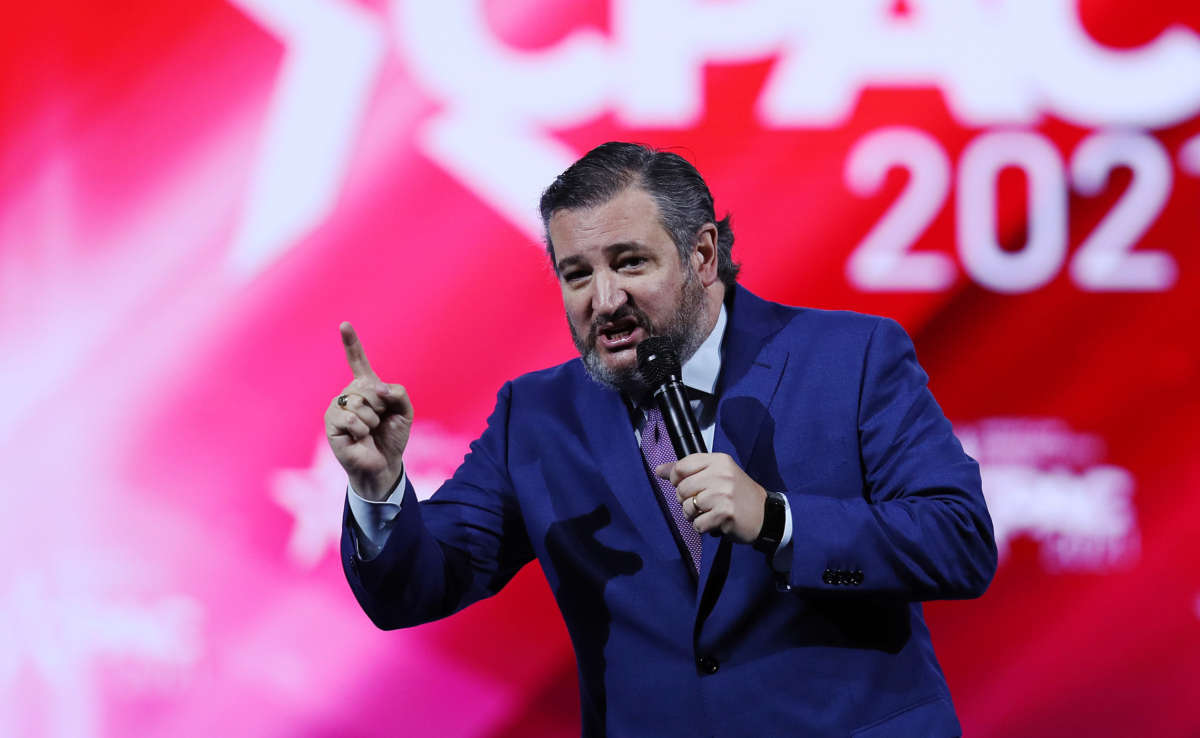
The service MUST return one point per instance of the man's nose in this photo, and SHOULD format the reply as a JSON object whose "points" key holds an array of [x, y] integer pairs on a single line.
{"points": [[609, 294]]}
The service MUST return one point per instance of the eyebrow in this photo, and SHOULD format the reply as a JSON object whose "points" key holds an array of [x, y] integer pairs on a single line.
{"points": [[610, 251]]}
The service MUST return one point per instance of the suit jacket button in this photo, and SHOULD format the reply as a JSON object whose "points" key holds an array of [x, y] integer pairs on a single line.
{"points": [[707, 665]]}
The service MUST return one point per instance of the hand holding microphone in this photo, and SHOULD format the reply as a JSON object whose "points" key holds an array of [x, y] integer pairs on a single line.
{"points": [[716, 495]]}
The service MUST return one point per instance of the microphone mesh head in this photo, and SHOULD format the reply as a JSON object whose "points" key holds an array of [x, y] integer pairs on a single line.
{"points": [[657, 360]]}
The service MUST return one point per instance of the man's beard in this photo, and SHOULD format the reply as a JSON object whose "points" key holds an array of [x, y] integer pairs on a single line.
{"points": [[683, 329]]}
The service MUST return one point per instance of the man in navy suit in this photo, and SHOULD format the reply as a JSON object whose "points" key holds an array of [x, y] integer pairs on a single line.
{"points": [[771, 587]]}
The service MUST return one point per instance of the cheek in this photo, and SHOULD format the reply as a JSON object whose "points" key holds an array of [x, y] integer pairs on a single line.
{"points": [[657, 306], [575, 308]]}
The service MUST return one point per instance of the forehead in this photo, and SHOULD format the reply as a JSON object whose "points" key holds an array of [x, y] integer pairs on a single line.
{"points": [[631, 217]]}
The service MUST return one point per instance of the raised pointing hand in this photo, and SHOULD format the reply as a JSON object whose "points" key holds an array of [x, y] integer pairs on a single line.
{"points": [[368, 424]]}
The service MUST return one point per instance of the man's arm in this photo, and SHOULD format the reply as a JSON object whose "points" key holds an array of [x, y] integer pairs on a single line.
{"points": [[459, 546], [923, 530]]}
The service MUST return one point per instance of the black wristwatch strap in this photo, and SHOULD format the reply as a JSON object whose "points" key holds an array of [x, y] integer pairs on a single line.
{"points": [[774, 517]]}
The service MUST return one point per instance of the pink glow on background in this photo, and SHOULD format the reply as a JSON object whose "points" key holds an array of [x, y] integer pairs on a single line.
{"points": [[172, 512]]}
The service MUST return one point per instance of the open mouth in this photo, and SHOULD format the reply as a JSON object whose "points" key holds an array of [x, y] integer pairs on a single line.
{"points": [[618, 335]]}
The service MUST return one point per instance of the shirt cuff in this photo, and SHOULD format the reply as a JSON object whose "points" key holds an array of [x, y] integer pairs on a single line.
{"points": [[781, 562], [374, 518]]}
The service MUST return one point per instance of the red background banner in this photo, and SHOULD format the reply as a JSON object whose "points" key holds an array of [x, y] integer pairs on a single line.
{"points": [[194, 195]]}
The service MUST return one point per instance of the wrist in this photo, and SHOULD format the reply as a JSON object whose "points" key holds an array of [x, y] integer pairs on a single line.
{"points": [[774, 518], [377, 487]]}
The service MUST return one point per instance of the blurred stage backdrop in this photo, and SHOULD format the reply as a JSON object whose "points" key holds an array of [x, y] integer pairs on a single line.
{"points": [[193, 194]]}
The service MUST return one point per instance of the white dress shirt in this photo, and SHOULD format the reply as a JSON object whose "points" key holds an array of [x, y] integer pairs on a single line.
{"points": [[700, 374]]}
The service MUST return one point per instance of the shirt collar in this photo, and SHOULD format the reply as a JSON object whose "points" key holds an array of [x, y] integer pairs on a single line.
{"points": [[701, 371]]}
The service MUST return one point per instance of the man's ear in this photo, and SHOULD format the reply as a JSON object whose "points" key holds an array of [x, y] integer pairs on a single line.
{"points": [[704, 255]]}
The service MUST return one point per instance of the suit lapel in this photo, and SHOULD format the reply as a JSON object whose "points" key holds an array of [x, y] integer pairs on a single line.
{"points": [[610, 435], [750, 371]]}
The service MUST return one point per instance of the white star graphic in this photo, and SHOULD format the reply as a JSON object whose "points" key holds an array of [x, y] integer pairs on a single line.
{"points": [[314, 497]]}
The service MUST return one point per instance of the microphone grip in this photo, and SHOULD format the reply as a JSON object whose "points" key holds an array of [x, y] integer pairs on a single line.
{"points": [[678, 418]]}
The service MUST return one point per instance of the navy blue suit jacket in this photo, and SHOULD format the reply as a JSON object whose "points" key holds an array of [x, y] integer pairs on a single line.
{"points": [[830, 408]]}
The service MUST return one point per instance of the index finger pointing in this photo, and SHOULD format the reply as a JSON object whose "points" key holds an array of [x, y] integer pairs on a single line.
{"points": [[355, 355]]}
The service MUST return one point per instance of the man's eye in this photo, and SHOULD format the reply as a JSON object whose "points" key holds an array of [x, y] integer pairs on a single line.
{"points": [[633, 262], [574, 276]]}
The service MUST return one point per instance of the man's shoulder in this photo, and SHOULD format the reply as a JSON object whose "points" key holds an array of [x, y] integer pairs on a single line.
{"points": [[809, 324], [566, 375], [562, 390]]}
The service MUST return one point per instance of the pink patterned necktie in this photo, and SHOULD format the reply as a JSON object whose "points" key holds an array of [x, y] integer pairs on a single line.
{"points": [[657, 448]]}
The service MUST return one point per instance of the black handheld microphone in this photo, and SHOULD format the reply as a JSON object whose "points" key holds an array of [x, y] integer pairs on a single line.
{"points": [[659, 365]]}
